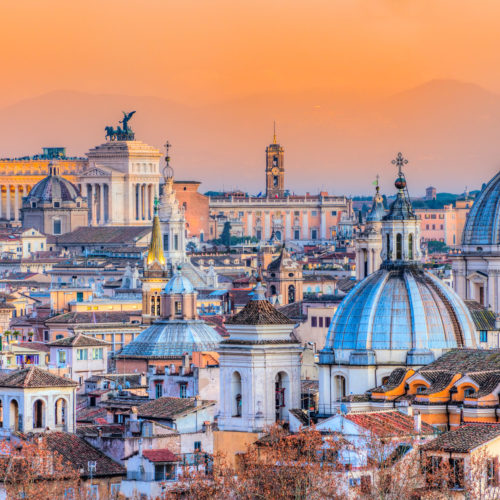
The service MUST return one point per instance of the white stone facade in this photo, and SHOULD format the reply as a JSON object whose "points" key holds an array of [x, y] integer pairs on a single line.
{"points": [[121, 183], [252, 373]]}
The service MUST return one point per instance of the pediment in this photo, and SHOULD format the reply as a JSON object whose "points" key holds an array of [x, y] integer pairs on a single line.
{"points": [[477, 277], [96, 172]]}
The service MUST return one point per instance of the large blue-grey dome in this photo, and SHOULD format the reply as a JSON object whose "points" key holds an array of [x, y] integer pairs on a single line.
{"points": [[483, 222], [173, 338], [401, 308], [53, 188]]}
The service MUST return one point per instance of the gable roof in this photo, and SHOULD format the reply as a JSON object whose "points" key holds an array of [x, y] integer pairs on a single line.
{"points": [[388, 423], [484, 319], [78, 453], [169, 408], [34, 377], [160, 455], [79, 340], [465, 438], [108, 235]]}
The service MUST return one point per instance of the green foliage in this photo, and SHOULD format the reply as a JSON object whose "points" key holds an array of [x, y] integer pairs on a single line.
{"points": [[226, 234], [434, 246]]}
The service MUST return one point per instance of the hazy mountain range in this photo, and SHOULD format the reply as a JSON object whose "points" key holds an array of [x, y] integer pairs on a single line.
{"points": [[449, 131]]}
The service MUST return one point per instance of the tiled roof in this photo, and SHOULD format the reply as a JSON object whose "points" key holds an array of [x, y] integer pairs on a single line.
{"points": [[90, 413], [34, 377], [395, 379], [36, 346], [79, 340], [122, 235], [160, 455], [98, 317], [483, 318], [439, 380], [259, 312], [388, 423], [466, 360], [78, 453], [218, 323], [293, 311], [487, 382], [170, 408], [465, 438]]}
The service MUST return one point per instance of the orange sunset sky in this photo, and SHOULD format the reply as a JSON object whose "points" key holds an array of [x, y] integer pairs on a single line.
{"points": [[349, 82]]}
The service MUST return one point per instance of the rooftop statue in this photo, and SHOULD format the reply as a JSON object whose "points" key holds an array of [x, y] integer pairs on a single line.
{"points": [[121, 134]]}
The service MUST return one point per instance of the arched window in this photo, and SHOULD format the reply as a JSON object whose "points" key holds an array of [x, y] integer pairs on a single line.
{"points": [[282, 390], [60, 411], [272, 289], [399, 246], [388, 245], [291, 294], [340, 391], [14, 415], [38, 414], [410, 246], [236, 399], [469, 391]]}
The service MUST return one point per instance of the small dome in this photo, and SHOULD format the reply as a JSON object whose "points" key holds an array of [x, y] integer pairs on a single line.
{"points": [[173, 338], [483, 222], [53, 188], [179, 284], [377, 211], [401, 308]]}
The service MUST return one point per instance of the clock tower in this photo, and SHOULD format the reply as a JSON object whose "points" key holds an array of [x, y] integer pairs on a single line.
{"points": [[275, 169]]}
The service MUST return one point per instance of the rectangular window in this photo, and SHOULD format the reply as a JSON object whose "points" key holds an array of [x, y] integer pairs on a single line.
{"points": [[296, 213], [165, 242], [296, 235], [79, 296], [183, 390], [320, 319], [258, 234], [483, 336], [97, 353], [457, 473], [197, 446], [57, 226], [314, 234], [164, 472], [46, 335], [334, 212], [81, 354], [327, 322], [61, 357], [158, 390], [178, 307], [314, 213], [176, 242], [314, 321], [492, 471]]}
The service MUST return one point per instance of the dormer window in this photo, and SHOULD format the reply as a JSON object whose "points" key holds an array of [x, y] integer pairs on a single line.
{"points": [[469, 391], [33, 204], [57, 204]]}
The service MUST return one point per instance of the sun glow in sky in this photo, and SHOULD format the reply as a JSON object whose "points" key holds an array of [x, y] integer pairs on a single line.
{"points": [[198, 53]]}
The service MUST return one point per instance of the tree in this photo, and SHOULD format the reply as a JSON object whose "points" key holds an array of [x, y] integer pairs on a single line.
{"points": [[32, 470], [225, 237], [434, 246]]}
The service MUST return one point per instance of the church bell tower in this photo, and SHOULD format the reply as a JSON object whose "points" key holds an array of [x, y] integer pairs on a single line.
{"points": [[275, 169]]}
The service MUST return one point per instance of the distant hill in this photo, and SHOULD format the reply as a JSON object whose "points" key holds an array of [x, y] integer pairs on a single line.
{"points": [[447, 129]]}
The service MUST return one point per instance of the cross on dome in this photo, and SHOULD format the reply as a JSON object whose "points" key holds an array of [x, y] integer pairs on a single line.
{"points": [[399, 161]]}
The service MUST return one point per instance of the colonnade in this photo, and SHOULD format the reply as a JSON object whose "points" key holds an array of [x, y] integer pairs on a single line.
{"points": [[11, 196], [143, 196], [98, 200]]}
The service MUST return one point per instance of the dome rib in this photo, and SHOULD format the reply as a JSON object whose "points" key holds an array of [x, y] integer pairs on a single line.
{"points": [[483, 221]]}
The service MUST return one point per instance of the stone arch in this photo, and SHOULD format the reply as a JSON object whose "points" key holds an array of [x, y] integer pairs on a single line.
{"points": [[282, 395], [14, 421], [39, 413], [399, 246], [339, 386], [61, 412], [236, 394], [291, 294]]}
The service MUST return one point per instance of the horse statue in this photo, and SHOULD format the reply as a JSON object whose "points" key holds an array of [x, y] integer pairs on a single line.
{"points": [[110, 132]]}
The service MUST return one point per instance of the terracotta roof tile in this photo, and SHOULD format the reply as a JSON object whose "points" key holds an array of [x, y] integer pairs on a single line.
{"points": [[259, 312], [122, 235], [34, 377], [388, 423], [160, 455], [465, 438], [79, 340], [169, 408], [78, 453]]}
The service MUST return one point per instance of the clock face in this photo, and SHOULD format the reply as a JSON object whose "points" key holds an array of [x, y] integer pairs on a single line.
{"points": [[275, 170]]}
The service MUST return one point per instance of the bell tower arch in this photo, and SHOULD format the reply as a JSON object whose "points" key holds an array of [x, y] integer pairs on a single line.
{"points": [[275, 169]]}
